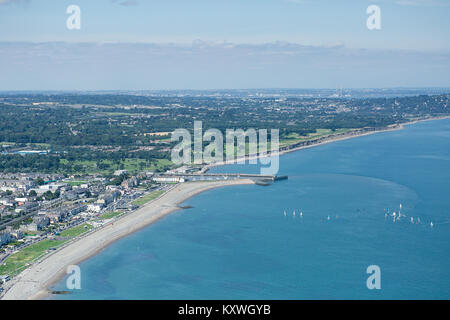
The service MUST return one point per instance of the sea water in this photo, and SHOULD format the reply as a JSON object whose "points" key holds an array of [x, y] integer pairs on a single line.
{"points": [[237, 243]]}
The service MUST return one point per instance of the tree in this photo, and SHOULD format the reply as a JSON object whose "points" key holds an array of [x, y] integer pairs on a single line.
{"points": [[48, 195]]}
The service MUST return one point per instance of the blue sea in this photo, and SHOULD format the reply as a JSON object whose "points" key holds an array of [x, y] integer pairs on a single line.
{"points": [[236, 242]]}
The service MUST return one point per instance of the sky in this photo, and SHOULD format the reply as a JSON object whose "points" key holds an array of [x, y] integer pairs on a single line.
{"points": [[223, 44]]}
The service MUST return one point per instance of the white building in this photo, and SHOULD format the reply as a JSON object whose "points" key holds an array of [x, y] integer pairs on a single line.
{"points": [[95, 207], [168, 179]]}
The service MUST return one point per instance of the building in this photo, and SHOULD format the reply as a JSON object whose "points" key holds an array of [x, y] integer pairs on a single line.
{"points": [[62, 213], [120, 172], [168, 179], [5, 237], [15, 185], [9, 202], [130, 183], [41, 221], [29, 227], [17, 234], [95, 207], [27, 207], [53, 187], [4, 278], [108, 198]]}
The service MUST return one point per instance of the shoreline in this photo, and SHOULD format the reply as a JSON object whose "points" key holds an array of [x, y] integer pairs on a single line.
{"points": [[320, 142], [33, 282]]}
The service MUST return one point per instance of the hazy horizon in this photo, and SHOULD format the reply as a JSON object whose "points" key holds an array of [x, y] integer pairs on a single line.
{"points": [[205, 45]]}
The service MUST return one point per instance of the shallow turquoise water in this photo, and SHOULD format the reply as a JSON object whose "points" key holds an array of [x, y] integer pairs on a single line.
{"points": [[236, 242]]}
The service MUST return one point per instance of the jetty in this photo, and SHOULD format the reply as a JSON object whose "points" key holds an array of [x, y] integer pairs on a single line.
{"points": [[259, 179]]}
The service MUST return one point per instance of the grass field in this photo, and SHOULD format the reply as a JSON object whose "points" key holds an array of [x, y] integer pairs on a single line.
{"points": [[20, 260], [292, 138], [76, 231], [110, 215], [75, 183], [149, 197], [295, 138], [132, 165]]}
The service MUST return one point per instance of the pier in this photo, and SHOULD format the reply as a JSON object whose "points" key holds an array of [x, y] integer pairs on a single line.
{"points": [[183, 177]]}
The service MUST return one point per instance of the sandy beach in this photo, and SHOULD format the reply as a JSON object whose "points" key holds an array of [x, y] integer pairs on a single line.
{"points": [[33, 282]]}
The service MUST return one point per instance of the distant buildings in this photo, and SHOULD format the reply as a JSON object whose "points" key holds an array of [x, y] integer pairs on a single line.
{"points": [[120, 172], [53, 187], [15, 185], [27, 207]]}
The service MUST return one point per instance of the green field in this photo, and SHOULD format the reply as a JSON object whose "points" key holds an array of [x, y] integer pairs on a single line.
{"points": [[20, 260], [75, 183], [289, 139], [76, 231], [132, 165], [149, 197], [293, 138], [110, 215]]}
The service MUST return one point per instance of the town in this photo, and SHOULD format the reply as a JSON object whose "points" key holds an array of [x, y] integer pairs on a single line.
{"points": [[53, 208]]}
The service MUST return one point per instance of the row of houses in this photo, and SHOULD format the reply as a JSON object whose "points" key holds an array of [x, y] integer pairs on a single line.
{"points": [[9, 234], [104, 200], [62, 213], [15, 185], [45, 218], [23, 182]]}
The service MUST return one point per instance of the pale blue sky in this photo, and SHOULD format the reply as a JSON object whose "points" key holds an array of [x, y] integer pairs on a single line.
{"points": [[203, 44]]}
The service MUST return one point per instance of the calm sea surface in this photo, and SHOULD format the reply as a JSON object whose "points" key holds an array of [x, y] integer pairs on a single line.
{"points": [[236, 243]]}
